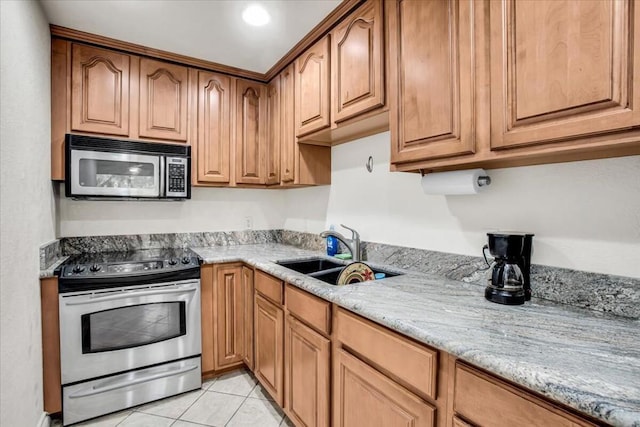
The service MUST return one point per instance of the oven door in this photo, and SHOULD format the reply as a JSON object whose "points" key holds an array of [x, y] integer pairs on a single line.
{"points": [[97, 173], [116, 330]]}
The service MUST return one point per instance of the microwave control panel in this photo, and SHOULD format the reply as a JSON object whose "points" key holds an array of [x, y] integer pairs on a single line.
{"points": [[177, 177]]}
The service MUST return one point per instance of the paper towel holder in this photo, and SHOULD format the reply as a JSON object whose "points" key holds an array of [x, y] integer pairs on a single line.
{"points": [[484, 181]]}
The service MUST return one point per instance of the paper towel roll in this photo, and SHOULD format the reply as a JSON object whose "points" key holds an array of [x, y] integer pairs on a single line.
{"points": [[455, 182]]}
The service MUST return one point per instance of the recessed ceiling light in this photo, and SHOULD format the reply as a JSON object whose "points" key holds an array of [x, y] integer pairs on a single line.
{"points": [[256, 15]]}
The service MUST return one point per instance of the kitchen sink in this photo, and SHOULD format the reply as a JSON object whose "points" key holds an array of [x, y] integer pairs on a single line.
{"points": [[306, 266], [324, 269]]}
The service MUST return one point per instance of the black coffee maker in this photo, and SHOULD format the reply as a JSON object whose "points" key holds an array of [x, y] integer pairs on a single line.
{"points": [[508, 278]]}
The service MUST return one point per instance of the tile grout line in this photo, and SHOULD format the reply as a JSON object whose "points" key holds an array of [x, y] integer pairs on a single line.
{"points": [[203, 391], [245, 399]]}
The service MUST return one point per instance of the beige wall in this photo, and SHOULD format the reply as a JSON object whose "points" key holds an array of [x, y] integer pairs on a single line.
{"points": [[27, 214], [585, 215]]}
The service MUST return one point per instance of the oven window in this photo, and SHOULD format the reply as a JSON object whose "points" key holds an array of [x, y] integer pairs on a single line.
{"points": [[132, 326], [116, 174]]}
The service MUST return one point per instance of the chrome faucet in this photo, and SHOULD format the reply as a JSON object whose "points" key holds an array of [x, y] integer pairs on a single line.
{"points": [[352, 244]]}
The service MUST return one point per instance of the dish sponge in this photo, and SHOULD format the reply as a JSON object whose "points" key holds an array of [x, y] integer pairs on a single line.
{"points": [[343, 256]]}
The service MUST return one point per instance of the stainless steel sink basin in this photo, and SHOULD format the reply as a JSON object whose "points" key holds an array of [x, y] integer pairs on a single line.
{"points": [[324, 269]]}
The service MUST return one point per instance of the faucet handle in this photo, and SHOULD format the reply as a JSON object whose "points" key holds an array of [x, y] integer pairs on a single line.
{"points": [[354, 234]]}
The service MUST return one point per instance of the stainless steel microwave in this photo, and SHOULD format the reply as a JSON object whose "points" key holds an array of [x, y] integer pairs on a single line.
{"points": [[104, 168]]}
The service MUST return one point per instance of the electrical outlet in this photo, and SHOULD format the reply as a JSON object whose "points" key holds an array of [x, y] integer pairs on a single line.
{"points": [[248, 222]]}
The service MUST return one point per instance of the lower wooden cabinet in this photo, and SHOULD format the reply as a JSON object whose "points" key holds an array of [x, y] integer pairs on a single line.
{"points": [[51, 373], [269, 347], [223, 316], [228, 319], [364, 397], [306, 375], [247, 299], [350, 372], [485, 400]]}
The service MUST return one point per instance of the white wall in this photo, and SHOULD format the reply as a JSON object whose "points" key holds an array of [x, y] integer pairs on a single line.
{"points": [[210, 209], [26, 204], [585, 215]]}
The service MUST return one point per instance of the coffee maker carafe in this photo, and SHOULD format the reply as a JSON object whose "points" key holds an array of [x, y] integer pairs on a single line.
{"points": [[508, 277]]}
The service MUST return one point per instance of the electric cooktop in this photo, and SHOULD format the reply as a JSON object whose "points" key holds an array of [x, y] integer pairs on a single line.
{"points": [[111, 269]]}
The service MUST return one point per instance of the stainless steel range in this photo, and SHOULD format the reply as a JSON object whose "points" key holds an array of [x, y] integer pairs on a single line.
{"points": [[129, 330]]}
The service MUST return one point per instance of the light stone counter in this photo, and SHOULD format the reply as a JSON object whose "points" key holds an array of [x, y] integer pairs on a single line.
{"points": [[586, 360]]}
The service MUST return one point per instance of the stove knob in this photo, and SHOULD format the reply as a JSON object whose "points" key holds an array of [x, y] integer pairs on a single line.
{"points": [[78, 269], [186, 260], [172, 261], [95, 268]]}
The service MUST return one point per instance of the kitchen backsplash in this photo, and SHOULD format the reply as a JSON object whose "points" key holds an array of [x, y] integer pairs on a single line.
{"points": [[601, 292], [76, 245]]}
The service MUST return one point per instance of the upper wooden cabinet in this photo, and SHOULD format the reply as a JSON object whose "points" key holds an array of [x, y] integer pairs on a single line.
{"points": [[99, 90], [562, 69], [350, 102], [211, 150], [432, 65], [312, 82], [357, 62], [287, 127], [274, 130], [250, 132], [511, 83], [163, 100]]}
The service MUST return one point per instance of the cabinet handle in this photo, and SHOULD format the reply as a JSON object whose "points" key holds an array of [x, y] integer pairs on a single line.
{"points": [[97, 389]]}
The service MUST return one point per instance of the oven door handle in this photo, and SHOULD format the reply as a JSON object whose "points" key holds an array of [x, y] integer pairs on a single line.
{"points": [[130, 294], [98, 388]]}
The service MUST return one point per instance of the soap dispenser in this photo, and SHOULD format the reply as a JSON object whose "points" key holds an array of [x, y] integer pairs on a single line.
{"points": [[332, 243]]}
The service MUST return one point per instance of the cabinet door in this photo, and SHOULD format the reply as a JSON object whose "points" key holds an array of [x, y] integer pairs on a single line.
{"points": [[229, 316], [269, 346], [163, 100], [206, 313], [99, 90], [247, 298], [214, 128], [431, 79], [306, 375], [274, 138], [563, 69], [287, 129], [312, 89], [364, 397], [251, 135], [51, 379], [357, 66]]}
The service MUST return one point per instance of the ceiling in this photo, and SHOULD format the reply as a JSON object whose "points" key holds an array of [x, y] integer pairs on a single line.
{"points": [[212, 30]]}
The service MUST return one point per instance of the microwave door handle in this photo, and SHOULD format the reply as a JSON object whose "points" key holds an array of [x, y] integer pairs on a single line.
{"points": [[162, 190], [97, 389], [129, 294]]}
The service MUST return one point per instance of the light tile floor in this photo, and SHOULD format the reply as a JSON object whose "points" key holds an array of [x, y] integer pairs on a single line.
{"points": [[234, 399]]}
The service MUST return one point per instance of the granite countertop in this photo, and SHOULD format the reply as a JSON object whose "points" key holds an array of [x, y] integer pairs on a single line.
{"points": [[584, 359]]}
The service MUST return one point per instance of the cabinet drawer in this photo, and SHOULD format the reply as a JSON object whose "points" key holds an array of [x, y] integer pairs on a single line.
{"points": [[269, 286], [413, 365], [479, 397], [310, 309]]}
